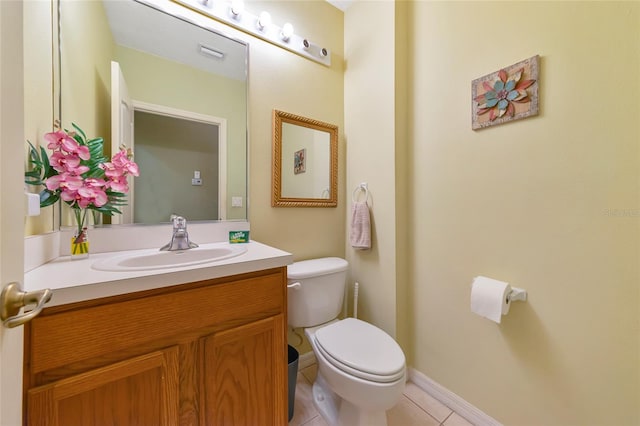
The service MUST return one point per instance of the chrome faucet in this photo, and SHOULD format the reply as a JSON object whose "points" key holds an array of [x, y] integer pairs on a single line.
{"points": [[180, 237]]}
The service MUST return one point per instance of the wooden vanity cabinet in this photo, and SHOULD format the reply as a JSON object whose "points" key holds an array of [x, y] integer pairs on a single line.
{"points": [[205, 353]]}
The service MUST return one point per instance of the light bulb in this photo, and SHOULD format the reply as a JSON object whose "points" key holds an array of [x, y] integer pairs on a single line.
{"points": [[287, 31], [237, 7], [264, 20]]}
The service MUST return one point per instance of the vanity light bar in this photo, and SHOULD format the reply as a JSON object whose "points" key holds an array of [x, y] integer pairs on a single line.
{"points": [[233, 14]]}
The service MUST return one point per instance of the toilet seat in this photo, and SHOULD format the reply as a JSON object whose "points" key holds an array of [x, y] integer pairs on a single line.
{"points": [[362, 350]]}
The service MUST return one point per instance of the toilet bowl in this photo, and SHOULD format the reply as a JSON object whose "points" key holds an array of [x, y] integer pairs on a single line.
{"points": [[361, 369], [360, 365]]}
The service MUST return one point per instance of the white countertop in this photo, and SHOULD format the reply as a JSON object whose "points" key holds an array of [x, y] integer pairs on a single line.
{"points": [[75, 280]]}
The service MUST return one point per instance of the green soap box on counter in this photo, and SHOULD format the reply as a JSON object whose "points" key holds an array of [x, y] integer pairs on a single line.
{"points": [[238, 237]]}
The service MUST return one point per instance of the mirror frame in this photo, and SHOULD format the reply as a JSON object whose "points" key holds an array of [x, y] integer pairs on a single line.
{"points": [[277, 200]]}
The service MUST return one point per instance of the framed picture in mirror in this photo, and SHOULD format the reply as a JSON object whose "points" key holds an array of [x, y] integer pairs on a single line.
{"points": [[298, 161]]}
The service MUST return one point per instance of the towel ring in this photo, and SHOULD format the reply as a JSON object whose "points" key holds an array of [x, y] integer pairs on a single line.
{"points": [[362, 187]]}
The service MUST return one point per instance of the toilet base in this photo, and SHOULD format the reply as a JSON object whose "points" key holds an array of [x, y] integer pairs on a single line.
{"points": [[339, 412], [325, 400]]}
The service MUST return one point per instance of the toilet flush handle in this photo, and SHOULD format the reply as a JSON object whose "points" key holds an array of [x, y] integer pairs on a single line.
{"points": [[294, 286]]}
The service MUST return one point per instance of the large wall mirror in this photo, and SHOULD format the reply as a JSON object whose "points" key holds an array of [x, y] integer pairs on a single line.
{"points": [[171, 89], [305, 162]]}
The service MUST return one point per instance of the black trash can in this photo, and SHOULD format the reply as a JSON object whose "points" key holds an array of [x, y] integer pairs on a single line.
{"points": [[292, 376]]}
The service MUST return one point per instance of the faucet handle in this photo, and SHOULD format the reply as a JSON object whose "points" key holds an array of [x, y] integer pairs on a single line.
{"points": [[180, 237], [179, 222]]}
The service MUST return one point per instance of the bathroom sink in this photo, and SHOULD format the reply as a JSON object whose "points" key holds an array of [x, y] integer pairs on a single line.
{"points": [[145, 260]]}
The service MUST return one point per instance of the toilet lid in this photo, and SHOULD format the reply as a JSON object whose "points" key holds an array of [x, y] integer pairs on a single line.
{"points": [[361, 349]]}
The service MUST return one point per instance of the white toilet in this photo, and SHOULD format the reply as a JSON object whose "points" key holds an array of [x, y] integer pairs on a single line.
{"points": [[361, 369]]}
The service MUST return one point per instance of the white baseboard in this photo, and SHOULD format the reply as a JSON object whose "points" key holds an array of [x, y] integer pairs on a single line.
{"points": [[306, 359], [472, 414]]}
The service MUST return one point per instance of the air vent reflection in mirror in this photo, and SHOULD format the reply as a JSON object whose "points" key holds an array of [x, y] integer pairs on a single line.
{"points": [[211, 52]]}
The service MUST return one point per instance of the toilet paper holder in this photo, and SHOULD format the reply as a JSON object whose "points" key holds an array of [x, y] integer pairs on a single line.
{"points": [[491, 298], [517, 294]]}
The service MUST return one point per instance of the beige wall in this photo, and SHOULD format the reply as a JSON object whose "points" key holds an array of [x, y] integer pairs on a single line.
{"points": [[550, 204], [38, 88], [370, 133], [87, 47], [281, 80]]}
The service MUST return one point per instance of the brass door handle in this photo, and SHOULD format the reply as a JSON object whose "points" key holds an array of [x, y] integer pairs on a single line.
{"points": [[13, 298]]}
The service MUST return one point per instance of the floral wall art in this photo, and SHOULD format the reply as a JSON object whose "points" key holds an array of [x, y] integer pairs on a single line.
{"points": [[505, 95]]}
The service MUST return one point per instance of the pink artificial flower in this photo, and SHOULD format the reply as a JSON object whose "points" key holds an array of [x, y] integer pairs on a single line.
{"points": [[72, 147], [89, 196], [111, 170], [65, 181], [71, 159], [121, 161], [78, 171], [118, 183], [56, 139], [64, 162], [69, 195], [95, 183], [133, 169], [120, 158]]}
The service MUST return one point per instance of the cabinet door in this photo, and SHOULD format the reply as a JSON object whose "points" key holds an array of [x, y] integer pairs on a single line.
{"points": [[245, 375], [138, 391]]}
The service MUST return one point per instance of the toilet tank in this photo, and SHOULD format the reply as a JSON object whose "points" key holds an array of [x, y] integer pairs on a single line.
{"points": [[318, 298]]}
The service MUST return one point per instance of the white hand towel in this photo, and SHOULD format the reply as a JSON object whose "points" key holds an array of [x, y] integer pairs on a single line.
{"points": [[360, 236]]}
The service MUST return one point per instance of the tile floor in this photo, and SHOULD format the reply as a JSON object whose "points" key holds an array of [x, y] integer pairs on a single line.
{"points": [[416, 408]]}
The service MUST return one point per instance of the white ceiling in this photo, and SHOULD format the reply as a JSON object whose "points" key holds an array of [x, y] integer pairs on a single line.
{"points": [[144, 28], [341, 4]]}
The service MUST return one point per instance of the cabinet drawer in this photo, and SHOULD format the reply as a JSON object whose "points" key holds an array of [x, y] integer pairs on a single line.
{"points": [[68, 337]]}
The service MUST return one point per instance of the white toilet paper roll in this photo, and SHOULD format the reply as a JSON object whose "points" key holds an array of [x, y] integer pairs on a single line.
{"points": [[489, 298]]}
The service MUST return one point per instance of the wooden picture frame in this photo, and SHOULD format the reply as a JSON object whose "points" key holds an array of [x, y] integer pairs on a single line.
{"points": [[318, 140]]}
